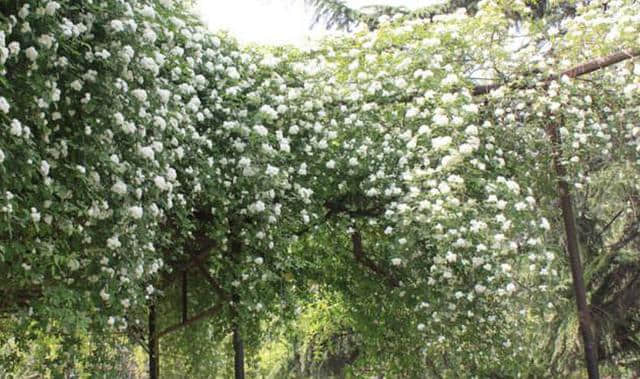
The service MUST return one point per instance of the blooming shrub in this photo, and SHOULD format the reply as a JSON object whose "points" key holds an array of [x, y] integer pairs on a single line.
{"points": [[132, 140]]}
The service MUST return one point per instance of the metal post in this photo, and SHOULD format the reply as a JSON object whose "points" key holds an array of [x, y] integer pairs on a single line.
{"points": [[154, 358], [238, 350], [184, 296], [566, 205]]}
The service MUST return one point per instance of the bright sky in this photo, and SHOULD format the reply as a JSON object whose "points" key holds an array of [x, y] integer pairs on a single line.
{"points": [[273, 21]]}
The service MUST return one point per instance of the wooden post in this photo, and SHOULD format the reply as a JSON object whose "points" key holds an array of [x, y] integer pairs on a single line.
{"points": [[154, 358], [566, 205]]}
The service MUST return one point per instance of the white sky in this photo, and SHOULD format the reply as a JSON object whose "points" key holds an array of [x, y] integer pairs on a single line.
{"points": [[273, 21]]}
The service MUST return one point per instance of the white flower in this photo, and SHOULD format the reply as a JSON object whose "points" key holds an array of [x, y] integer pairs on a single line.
{"points": [[303, 169], [1, 156], [444, 188], [76, 84], [421, 327], [119, 187], [233, 73], [331, 164], [451, 257], [73, 264], [128, 127], [159, 122], [544, 224], [412, 112], [268, 111], [147, 152], [117, 25], [52, 7], [451, 160], [260, 130], [35, 215], [465, 149], [511, 288], [449, 98], [44, 168], [479, 288], [4, 105], [396, 261], [46, 40], [450, 79], [164, 94], [471, 130], [161, 183], [31, 53], [441, 143], [24, 11], [257, 207], [16, 128], [140, 94], [149, 64], [104, 295], [113, 243], [270, 61], [441, 120], [470, 108], [148, 12], [118, 118], [171, 174], [272, 171], [258, 260], [136, 212]]}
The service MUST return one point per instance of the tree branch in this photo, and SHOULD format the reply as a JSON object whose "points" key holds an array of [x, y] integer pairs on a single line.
{"points": [[216, 286], [200, 316], [358, 253], [196, 259], [583, 69]]}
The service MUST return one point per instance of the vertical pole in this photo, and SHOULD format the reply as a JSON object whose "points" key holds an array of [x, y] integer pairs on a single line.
{"points": [[566, 205], [238, 350], [154, 358], [184, 296], [238, 347]]}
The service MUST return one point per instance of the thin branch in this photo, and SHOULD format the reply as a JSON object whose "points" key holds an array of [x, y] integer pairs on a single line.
{"points": [[610, 223], [631, 233]]}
